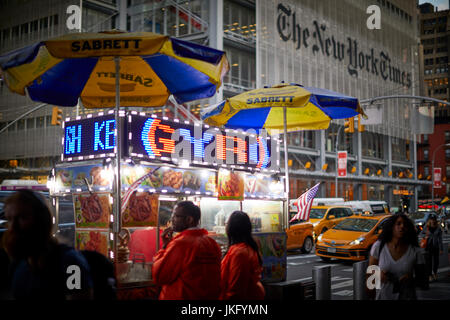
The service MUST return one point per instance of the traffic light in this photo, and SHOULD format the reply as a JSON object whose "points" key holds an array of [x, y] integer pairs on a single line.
{"points": [[13, 163], [361, 127], [349, 125], [56, 116]]}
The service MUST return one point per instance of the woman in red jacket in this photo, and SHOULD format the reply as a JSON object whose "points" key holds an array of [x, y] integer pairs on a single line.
{"points": [[242, 266]]}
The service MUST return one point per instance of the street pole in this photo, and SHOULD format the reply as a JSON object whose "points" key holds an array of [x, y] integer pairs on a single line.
{"points": [[432, 172], [336, 173]]}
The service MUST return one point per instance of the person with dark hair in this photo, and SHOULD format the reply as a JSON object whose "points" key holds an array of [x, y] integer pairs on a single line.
{"points": [[188, 265], [396, 252], [434, 246], [242, 265], [39, 265]]}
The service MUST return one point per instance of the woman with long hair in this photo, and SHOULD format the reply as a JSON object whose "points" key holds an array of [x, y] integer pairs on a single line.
{"points": [[396, 252], [242, 265]]}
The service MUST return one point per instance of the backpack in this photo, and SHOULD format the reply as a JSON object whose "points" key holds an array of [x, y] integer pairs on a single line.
{"points": [[102, 274]]}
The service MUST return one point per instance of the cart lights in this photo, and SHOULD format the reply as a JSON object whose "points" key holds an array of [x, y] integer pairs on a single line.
{"points": [[184, 163]]}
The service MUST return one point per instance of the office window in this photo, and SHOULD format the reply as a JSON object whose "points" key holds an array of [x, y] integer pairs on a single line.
{"points": [[447, 171], [447, 154], [21, 124], [30, 123], [48, 121], [12, 127], [426, 171], [425, 138], [40, 122], [425, 154], [43, 23], [447, 136]]}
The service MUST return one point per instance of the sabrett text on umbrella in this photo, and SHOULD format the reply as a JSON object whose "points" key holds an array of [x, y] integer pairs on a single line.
{"points": [[270, 99], [127, 76], [105, 44]]}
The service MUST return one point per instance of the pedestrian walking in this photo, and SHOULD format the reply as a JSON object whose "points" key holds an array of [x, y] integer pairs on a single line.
{"points": [[188, 265], [434, 246], [242, 265], [39, 265], [397, 253]]}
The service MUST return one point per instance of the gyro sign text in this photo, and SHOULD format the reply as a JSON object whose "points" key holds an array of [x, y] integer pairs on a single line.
{"points": [[175, 142]]}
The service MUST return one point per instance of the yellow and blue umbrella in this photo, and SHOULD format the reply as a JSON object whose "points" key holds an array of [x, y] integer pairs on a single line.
{"points": [[287, 107], [306, 109], [81, 65], [114, 69]]}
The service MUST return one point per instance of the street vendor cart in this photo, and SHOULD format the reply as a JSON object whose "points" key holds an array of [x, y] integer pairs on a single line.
{"points": [[162, 162]]}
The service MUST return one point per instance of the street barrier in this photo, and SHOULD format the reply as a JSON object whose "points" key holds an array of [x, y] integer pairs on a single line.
{"points": [[292, 290], [359, 280], [322, 279]]}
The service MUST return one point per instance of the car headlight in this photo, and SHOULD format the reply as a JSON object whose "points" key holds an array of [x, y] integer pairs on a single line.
{"points": [[357, 241], [315, 224], [420, 223], [320, 237]]}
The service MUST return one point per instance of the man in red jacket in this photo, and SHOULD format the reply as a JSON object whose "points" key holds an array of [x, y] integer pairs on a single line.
{"points": [[188, 265]]}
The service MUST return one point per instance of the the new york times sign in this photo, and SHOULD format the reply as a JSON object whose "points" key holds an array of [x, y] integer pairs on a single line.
{"points": [[317, 39]]}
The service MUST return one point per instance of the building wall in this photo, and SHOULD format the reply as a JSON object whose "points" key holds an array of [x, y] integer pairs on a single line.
{"points": [[435, 39], [33, 140]]}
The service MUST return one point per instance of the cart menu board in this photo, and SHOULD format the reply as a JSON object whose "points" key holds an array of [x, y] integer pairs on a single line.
{"points": [[171, 180], [78, 178], [141, 210], [230, 185], [92, 239], [92, 210], [272, 247]]}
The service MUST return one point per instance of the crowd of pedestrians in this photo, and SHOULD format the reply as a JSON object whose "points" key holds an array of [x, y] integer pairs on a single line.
{"points": [[189, 265]]}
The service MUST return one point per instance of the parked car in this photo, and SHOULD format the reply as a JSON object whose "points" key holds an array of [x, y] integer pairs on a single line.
{"points": [[324, 218], [351, 239], [300, 235]]}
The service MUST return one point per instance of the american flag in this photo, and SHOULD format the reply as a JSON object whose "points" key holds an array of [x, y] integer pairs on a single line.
{"points": [[304, 204]]}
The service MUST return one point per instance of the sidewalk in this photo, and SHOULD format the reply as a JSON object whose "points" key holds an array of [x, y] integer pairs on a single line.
{"points": [[440, 289]]}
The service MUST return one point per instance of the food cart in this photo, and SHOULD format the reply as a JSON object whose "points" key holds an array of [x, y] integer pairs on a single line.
{"points": [[165, 161]]}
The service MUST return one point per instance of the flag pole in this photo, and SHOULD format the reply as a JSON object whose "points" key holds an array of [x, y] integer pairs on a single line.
{"points": [[286, 170]]}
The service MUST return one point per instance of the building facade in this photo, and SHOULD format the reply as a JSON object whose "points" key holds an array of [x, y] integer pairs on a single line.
{"points": [[435, 40], [323, 43], [31, 146]]}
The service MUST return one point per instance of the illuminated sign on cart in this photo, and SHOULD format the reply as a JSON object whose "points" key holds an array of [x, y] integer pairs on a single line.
{"points": [[151, 138]]}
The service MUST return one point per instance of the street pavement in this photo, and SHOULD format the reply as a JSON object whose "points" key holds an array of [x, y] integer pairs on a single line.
{"points": [[300, 266]]}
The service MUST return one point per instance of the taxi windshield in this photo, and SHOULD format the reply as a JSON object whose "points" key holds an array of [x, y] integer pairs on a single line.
{"points": [[317, 213], [359, 225]]}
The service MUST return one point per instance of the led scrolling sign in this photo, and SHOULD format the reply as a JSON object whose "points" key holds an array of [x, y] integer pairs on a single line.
{"points": [[161, 140]]}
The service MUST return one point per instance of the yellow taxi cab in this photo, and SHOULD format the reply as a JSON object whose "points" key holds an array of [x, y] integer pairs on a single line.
{"points": [[351, 239], [300, 235], [324, 218]]}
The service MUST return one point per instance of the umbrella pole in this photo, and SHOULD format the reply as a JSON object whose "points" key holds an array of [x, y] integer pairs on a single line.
{"points": [[117, 220], [286, 169]]}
